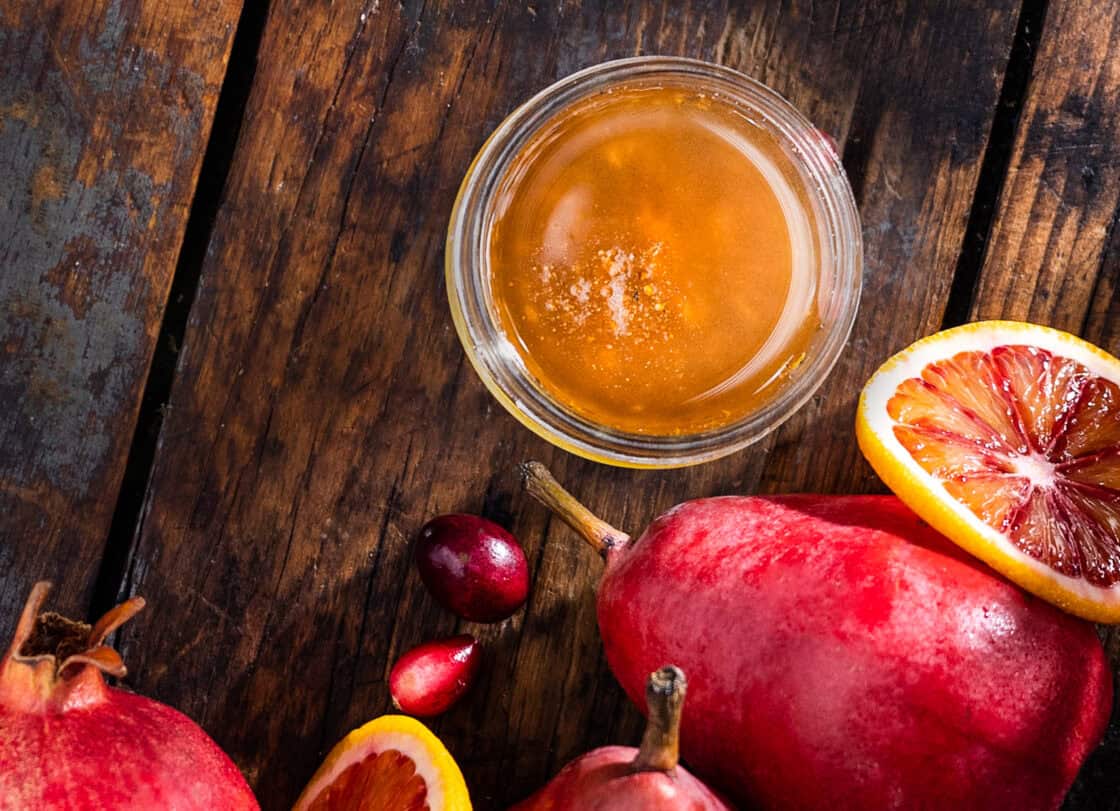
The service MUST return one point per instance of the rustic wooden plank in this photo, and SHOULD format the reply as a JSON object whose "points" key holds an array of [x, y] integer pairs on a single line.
{"points": [[322, 409], [105, 108], [1060, 199], [914, 150], [1051, 256]]}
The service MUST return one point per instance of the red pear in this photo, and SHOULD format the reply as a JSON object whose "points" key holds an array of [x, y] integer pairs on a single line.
{"points": [[431, 677], [844, 655], [621, 778]]}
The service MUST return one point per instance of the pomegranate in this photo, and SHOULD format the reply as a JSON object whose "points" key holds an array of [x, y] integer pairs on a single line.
{"points": [[68, 740], [845, 655]]}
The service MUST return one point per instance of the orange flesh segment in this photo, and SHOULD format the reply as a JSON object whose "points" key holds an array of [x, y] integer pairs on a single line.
{"points": [[1029, 442], [383, 781]]}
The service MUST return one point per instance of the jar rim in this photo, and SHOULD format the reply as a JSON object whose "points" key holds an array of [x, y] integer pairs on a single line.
{"points": [[498, 363]]}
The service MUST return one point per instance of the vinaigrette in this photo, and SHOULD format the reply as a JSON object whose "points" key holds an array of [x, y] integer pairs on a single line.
{"points": [[652, 262]]}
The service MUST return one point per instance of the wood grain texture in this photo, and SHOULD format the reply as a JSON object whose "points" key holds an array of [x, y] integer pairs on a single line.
{"points": [[1058, 204], [920, 125], [105, 108], [323, 409]]}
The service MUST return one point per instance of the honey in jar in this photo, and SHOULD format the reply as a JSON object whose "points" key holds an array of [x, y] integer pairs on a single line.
{"points": [[651, 261]]}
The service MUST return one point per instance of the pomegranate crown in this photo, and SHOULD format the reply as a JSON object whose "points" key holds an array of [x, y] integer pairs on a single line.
{"points": [[64, 645]]}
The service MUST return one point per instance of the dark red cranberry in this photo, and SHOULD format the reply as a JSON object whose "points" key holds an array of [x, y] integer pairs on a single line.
{"points": [[473, 567]]}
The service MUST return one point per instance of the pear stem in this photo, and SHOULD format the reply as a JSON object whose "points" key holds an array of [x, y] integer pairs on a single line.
{"points": [[660, 749], [544, 488]]}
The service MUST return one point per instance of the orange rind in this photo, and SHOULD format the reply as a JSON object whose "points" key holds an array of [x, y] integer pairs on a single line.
{"points": [[392, 763], [1005, 437]]}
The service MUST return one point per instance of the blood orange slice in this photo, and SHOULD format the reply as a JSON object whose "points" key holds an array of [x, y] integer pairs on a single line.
{"points": [[393, 763], [1006, 438]]}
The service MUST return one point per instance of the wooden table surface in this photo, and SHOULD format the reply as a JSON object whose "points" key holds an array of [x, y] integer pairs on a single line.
{"points": [[228, 376]]}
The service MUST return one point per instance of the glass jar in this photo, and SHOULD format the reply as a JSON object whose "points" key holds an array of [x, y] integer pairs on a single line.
{"points": [[836, 246]]}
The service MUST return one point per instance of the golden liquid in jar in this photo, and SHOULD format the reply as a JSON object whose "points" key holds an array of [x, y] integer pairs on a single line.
{"points": [[651, 261]]}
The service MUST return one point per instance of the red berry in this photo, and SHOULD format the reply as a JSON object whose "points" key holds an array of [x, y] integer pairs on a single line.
{"points": [[434, 675], [473, 567]]}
